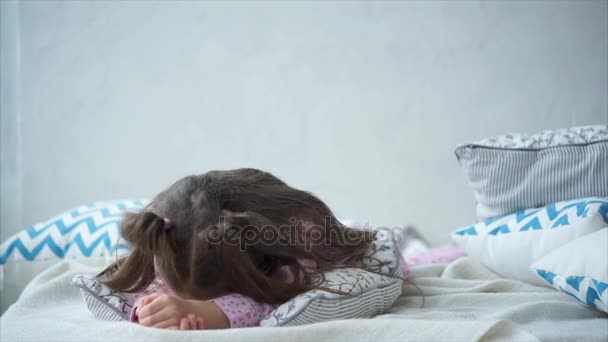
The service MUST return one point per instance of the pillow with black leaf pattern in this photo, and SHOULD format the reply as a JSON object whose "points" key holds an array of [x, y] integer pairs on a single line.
{"points": [[367, 294], [103, 302]]}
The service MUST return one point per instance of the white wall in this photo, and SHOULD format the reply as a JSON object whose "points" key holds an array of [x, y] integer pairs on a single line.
{"points": [[360, 102], [11, 212]]}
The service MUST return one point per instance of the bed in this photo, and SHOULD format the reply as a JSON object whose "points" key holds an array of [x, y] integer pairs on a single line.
{"points": [[463, 301]]}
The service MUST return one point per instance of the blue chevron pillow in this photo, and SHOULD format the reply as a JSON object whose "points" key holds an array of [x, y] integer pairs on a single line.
{"points": [[579, 269], [510, 244], [89, 232]]}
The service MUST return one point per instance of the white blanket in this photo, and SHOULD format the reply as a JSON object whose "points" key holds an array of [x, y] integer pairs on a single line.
{"points": [[463, 302]]}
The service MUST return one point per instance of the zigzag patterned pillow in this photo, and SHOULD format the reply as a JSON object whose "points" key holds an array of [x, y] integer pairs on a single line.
{"points": [[510, 244], [579, 269], [86, 231], [90, 232]]}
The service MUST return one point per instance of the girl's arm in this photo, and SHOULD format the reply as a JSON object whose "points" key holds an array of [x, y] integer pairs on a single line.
{"points": [[213, 317], [242, 311], [165, 311], [229, 311]]}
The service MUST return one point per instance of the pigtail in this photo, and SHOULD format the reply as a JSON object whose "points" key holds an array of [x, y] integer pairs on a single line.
{"points": [[145, 231], [146, 234]]}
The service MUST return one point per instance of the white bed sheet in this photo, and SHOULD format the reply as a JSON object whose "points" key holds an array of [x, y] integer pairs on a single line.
{"points": [[463, 302]]}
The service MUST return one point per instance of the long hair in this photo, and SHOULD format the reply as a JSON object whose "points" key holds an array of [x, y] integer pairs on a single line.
{"points": [[230, 232]]}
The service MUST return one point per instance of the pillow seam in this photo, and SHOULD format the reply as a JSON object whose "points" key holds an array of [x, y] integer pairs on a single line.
{"points": [[521, 149]]}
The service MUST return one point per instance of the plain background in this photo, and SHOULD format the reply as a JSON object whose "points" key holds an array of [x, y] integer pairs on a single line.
{"points": [[361, 103]]}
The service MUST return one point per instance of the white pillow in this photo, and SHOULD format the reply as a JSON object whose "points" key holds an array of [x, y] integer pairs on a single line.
{"points": [[89, 232], [369, 293], [579, 269], [510, 244]]}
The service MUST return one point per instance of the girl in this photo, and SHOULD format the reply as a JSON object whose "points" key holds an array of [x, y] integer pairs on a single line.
{"points": [[223, 249]]}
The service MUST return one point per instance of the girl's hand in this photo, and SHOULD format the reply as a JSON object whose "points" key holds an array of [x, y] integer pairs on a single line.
{"points": [[164, 311], [168, 312], [191, 323]]}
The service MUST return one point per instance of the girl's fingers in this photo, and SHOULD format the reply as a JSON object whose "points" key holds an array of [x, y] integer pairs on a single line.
{"points": [[191, 322], [147, 299], [184, 324], [192, 319], [157, 317], [151, 306], [150, 298], [166, 324]]}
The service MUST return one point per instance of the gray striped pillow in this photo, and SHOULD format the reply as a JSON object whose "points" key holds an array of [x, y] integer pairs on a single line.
{"points": [[518, 171], [368, 293], [103, 302]]}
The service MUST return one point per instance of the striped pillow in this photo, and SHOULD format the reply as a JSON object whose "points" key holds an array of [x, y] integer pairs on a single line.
{"points": [[368, 293], [103, 302], [514, 172]]}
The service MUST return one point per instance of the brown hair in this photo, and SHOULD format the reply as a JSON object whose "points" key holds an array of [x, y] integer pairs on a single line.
{"points": [[199, 257]]}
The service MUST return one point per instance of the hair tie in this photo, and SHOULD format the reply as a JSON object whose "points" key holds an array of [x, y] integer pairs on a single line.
{"points": [[167, 223]]}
